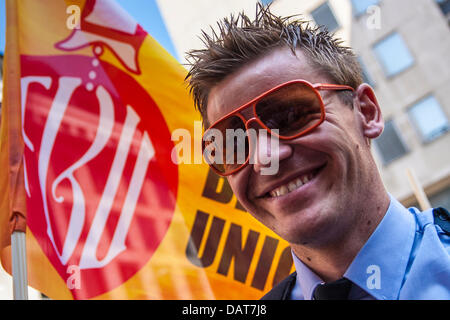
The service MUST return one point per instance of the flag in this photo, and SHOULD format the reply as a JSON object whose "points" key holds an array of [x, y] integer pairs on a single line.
{"points": [[103, 158], [12, 197]]}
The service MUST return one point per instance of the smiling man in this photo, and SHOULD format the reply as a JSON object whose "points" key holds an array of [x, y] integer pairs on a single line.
{"points": [[350, 239]]}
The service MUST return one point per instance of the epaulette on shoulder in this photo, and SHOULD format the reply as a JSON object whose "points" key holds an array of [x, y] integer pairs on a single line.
{"points": [[442, 219]]}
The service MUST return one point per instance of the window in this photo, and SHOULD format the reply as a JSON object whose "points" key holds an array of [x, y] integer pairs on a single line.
{"points": [[266, 2], [444, 5], [441, 199], [389, 144], [393, 54], [360, 6], [428, 118], [366, 77], [324, 17]]}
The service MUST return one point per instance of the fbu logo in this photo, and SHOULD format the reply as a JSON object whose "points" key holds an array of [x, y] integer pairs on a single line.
{"points": [[100, 183]]}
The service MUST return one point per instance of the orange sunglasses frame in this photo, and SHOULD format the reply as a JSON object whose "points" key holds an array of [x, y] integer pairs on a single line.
{"points": [[315, 87]]}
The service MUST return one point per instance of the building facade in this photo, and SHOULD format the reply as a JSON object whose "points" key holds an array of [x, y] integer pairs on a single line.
{"points": [[403, 47]]}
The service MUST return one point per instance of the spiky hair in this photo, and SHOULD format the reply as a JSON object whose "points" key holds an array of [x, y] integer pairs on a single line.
{"points": [[240, 40]]}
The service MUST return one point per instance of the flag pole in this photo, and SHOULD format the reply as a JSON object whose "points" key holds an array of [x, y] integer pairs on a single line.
{"points": [[12, 73], [19, 265], [419, 193]]}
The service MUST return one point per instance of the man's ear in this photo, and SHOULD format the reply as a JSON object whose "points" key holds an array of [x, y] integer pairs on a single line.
{"points": [[372, 123]]}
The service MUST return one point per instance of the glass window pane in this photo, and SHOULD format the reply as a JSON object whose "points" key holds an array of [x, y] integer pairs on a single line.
{"points": [[323, 16], [429, 118], [444, 5], [360, 6], [266, 2], [393, 54], [389, 144], [441, 199], [366, 77]]}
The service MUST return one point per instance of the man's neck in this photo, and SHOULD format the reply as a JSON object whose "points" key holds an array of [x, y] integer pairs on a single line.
{"points": [[330, 260]]}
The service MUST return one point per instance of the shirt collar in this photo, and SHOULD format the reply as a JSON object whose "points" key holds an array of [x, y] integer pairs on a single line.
{"points": [[379, 267], [306, 278]]}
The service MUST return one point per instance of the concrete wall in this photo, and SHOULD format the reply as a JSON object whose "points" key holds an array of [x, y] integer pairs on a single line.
{"points": [[426, 33], [185, 19]]}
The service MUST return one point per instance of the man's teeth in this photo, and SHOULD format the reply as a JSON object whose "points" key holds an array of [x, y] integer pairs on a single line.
{"points": [[291, 186]]}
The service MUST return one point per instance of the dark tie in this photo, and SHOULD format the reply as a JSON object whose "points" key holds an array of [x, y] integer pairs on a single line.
{"points": [[336, 290]]}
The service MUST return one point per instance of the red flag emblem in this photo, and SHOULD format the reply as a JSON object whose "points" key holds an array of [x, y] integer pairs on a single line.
{"points": [[103, 195]]}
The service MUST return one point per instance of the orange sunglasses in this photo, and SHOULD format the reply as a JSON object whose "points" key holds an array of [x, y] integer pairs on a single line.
{"points": [[293, 108]]}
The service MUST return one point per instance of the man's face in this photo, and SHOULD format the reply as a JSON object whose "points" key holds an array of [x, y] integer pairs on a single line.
{"points": [[329, 161]]}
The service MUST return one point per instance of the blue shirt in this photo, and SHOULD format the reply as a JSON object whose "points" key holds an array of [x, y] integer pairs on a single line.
{"points": [[406, 257]]}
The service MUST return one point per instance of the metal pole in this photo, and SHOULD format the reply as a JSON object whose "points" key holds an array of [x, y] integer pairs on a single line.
{"points": [[19, 265], [421, 197]]}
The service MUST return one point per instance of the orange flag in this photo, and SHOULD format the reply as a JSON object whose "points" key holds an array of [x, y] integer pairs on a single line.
{"points": [[12, 197], [101, 151]]}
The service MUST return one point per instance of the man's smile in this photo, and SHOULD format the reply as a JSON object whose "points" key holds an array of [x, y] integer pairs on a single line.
{"points": [[291, 183]]}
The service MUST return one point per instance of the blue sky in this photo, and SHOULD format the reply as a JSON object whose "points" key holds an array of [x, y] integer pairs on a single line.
{"points": [[145, 12], [2, 25]]}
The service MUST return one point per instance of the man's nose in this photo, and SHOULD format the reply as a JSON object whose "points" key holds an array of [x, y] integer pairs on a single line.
{"points": [[267, 151]]}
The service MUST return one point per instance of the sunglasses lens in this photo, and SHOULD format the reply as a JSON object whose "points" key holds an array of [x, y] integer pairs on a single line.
{"points": [[292, 109], [225, 146]]}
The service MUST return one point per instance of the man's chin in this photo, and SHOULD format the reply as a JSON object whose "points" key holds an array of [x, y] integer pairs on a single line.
{"points": [[305, 226]]}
